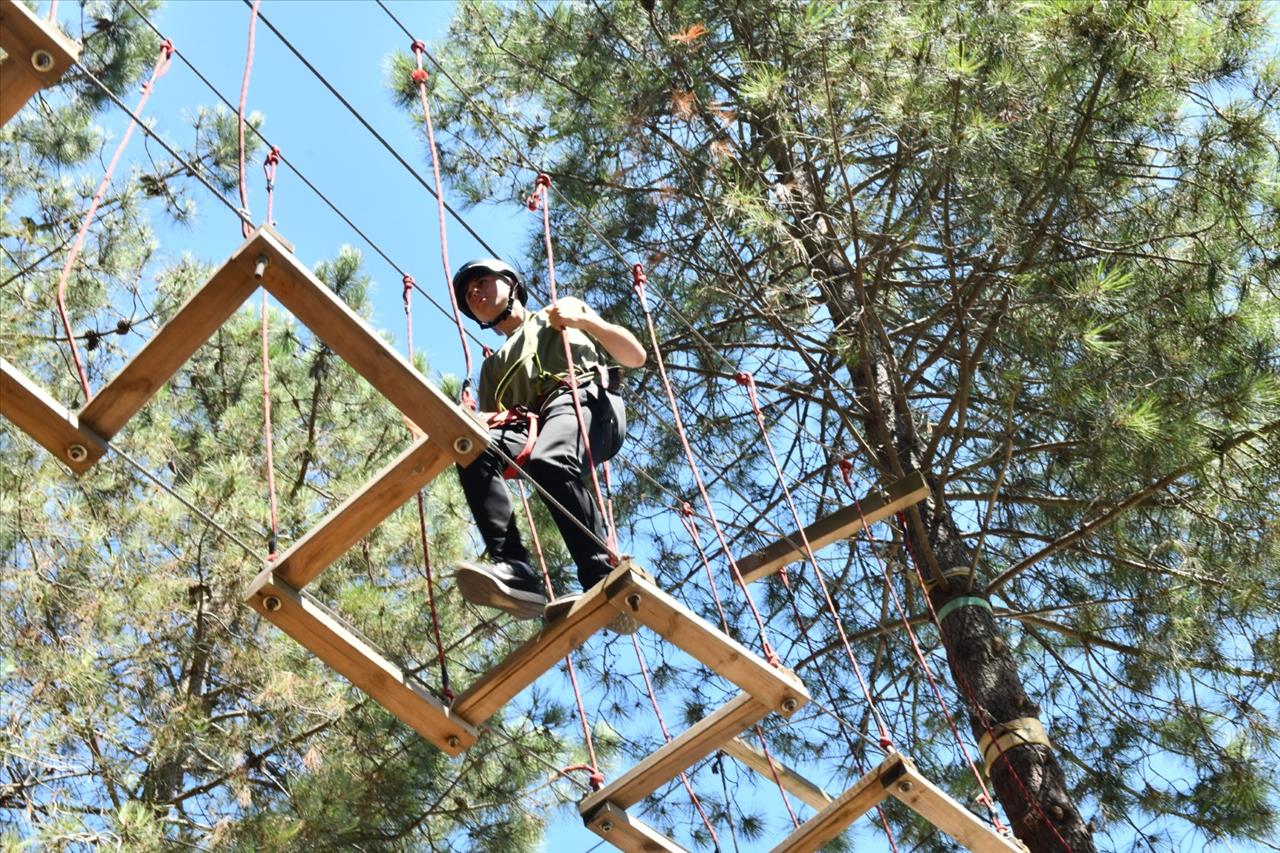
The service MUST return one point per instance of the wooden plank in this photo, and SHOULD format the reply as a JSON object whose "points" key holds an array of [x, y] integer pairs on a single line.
{"points": [[948, 815], [628, 833], [865, 795], [59, 431], [347, 334], [841, 524], [678, 755], [352, 520], [339, 647], [176, 341], [792, 782], [541, 652], [38, 55], [777, 688]]}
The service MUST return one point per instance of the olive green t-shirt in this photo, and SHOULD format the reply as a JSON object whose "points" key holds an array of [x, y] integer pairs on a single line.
{"points": [[531, 363]]}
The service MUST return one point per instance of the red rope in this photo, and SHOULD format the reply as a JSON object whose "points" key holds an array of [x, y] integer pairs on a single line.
{"points": [[419, 76], [684, 777], [964, 684], [924, 664], [597, 778], [541, 185], [245, 228], [747, 381], [161, 66], [638, 282], [445, 690]]}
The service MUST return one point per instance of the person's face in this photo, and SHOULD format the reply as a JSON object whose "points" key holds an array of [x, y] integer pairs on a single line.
{"points": [[487, 296]]}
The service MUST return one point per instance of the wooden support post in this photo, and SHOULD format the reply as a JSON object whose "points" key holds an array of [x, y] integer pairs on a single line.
{"points": [[948, 815], [462, 436], [676, 756], [362, 512], [841, 524], [792, 782], [339, 647], [627, 833], [541, 652], [777, 688], [38, 54], [865, 795], [187, 330], [38, 415]]}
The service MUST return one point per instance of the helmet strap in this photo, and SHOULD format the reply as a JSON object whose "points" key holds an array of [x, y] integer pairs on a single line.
{"points": [[506, 312]]}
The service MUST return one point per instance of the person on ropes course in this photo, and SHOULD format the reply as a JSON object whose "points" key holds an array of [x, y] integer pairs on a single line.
{"points": [[526, 399]]}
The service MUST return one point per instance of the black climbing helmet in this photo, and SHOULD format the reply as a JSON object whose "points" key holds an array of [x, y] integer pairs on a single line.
{"points": [[472, 269]]}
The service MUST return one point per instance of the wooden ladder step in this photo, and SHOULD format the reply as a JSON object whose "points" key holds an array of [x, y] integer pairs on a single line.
{"points": [[38, 55], [541, 651], [679, 754], [776, 688], [339, 647], [832, 820], [347, 334], [841, 524], [348, 523], [59, 431], [627, 833], [897, 776], [798, 786], [186, 331]]}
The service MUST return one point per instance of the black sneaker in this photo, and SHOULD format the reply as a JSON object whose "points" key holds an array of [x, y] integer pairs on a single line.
{"points": [[623, 623], [501, 585]]}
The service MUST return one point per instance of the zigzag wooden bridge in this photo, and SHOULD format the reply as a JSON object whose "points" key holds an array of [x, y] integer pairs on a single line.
{"points": [[80, 439]]}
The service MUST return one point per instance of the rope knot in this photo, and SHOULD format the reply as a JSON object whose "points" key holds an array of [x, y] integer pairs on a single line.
{"points": [[448, 695], [419, 75], [596, 780], [273, 156], [166, 47], [772, 657], [846, 470], [418, 46], [686, 510], [637, 275], [886, 743], [744, 379], [543, 180]]}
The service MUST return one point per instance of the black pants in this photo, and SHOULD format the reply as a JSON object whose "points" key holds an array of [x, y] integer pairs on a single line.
{"points": [[558, 464]]}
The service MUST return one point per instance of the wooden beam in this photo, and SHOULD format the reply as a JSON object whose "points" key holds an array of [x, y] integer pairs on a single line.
{"points": [[37, 414], [187, 330], [627, 833], [948, 815], [841, 524], [679, 754], [462, 436], [540, 652], [794, 784], [339, 647], [865, 795], [38, 55], [777, 688], [352, 520]]}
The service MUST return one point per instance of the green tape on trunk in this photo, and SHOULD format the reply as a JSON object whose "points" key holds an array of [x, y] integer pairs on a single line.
{"points": [[962, 601]]}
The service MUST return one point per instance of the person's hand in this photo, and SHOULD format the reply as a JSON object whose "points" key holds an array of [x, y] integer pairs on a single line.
{"points": [[570, 313]]}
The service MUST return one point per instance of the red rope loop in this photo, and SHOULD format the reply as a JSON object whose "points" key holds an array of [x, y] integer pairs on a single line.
{"points": [[543, 180], [846, 471], [408, 288], [418, 47]]}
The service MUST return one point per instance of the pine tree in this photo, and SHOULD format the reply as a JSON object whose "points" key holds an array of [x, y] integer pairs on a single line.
{"points": [[1027, 249], [144, 705]]}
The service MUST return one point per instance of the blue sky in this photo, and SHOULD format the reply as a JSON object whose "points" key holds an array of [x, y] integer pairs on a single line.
{"points": [[349, 43]]}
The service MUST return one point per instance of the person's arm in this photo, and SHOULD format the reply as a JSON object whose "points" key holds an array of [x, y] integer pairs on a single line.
{"points": [[622, 346]]}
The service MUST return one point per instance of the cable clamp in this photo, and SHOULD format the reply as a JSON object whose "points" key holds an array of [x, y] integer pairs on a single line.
{"points": [[1024, 731]]}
